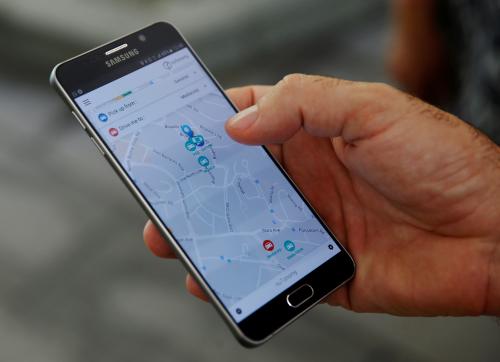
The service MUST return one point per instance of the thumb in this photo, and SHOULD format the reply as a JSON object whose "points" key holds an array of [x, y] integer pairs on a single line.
{"points": [[325, 107]]}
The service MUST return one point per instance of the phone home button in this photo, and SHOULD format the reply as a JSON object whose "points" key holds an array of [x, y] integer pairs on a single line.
{"points": [[299, 296]]}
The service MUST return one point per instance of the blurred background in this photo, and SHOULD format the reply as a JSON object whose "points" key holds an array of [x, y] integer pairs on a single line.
{"points": [[77, 283]]}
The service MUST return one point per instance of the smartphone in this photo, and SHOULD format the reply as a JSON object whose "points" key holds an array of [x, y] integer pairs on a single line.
{"points": [[231, 213]]}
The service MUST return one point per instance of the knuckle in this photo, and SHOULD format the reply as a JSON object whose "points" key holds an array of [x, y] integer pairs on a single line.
{"points": [[285, 90], [329, 82], [297, 80], [291, 80], [384, 90]]}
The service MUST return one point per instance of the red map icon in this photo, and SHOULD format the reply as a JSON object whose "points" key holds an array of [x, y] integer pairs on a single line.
{"points": [[268, 245]]}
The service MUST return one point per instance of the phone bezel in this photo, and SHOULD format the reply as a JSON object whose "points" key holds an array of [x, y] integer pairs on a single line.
{"points": [[270, 318]]}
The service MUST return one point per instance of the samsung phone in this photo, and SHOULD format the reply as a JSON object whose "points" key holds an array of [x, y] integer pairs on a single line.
{"points": [[230, 212]]}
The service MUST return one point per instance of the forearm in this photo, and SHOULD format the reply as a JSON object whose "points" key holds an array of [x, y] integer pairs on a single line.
{"points": [[412, 17], [492, 305], [417, 56]]}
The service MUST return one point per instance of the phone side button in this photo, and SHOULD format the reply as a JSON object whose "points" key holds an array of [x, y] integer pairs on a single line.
{"points": [[79, 120], [299, 296], [98, 147]]}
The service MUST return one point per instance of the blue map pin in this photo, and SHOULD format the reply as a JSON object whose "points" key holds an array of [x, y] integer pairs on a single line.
{"points": [[190, 146], [198, 140], [203, 161], [289, 245], [187, 130]]}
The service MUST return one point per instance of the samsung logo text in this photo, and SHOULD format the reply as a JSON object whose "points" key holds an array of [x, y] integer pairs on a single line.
{"points": [[120, 58]]}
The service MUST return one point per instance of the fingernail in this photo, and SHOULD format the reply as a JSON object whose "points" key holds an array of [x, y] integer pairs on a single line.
{"points": [[244, 119]]}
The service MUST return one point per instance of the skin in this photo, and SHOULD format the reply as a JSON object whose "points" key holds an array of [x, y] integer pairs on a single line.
{"points": [[411, 191]]}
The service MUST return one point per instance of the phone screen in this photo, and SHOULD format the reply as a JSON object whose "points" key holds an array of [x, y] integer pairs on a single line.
{"points": [[229, 206]]}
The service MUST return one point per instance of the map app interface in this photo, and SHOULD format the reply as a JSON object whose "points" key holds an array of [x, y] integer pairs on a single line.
{"points": [[231, 209]]}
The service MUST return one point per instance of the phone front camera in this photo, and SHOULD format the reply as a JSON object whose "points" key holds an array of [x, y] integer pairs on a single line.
{"points": [[142, 37]]}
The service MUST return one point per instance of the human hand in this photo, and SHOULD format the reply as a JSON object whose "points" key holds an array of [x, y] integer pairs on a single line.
{"points": [[411, 191]]}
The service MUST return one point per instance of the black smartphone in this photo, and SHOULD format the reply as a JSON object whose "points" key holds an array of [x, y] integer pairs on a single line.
{"points": [[231, 213]]}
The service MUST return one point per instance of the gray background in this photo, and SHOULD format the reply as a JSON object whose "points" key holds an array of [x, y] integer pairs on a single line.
{"points": [[76, 282]]}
